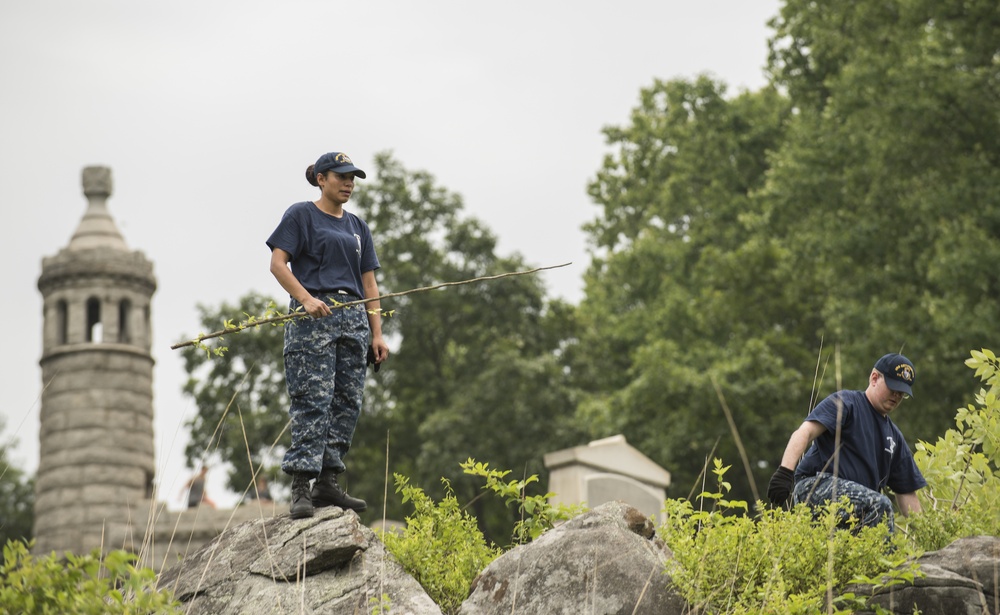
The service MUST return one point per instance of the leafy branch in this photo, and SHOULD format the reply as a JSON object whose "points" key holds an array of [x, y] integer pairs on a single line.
{"points": [[537, 514], [275, 318]]}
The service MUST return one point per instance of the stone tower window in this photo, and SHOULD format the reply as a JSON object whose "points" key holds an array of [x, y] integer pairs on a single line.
{"points": [[95, 331], [124, 312], [62, 322]]}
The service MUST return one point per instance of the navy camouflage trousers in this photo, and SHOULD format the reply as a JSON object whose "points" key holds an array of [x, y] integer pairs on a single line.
{"points": [[325, 364], [870, 507]]}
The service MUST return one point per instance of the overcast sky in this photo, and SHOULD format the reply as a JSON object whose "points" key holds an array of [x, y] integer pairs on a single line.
{"points": [[208, 112]]}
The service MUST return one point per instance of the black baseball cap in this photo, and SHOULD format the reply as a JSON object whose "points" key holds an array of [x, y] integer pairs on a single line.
{"points": [[338, 162], [898, 372]]}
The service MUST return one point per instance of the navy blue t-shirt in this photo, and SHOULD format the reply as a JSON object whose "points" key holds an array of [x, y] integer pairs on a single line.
{"points": [[873, 451], [328, 253]]}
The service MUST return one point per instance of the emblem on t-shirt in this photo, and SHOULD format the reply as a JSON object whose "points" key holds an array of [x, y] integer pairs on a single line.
{"points": [[358, 239], [892, 446]]}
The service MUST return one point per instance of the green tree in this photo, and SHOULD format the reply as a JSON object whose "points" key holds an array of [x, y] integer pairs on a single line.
{"points": [[241, 398], [851, 205], [899, 164], [474, 367], [17, 500], [682, 288]]}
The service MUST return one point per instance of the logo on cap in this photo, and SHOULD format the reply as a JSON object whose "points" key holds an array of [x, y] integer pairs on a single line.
{"points": [[342, 158], [904, 372]]}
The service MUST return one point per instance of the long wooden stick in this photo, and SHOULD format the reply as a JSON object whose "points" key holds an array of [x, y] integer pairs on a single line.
{"points": [[274, 319]]}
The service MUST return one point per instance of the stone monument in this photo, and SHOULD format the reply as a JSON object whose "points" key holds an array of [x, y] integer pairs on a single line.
{"points": [[96, 456], [607, 470], [95, 483]]}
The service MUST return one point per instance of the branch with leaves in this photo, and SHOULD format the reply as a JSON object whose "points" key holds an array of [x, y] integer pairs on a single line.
{"points": [[274, 318]]}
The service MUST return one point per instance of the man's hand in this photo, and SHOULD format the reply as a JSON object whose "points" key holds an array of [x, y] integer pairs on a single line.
{"points": [[779, 490]]}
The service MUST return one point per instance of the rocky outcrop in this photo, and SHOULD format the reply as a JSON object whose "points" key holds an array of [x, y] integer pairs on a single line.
{"points": [[329, 564], [606, 561]]}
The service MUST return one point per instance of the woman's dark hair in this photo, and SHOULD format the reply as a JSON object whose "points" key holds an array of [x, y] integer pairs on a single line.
{"points": [[311, 175]]}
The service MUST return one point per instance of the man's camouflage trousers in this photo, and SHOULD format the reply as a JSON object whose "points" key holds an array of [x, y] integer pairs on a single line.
{"points": [[325, 363], [870, 507]]}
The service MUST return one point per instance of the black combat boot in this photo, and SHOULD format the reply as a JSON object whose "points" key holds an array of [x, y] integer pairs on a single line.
{"points": [[327, 492], [302, 505]]}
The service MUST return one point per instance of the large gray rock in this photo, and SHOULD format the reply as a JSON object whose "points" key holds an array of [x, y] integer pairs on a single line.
{"points": [[938, 591], [329, 564], [604, 562], [960, 579], [976, 558]]}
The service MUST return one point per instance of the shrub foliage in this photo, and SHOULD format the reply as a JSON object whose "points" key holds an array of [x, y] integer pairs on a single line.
{"points": [[79, 584], [962, 467], [441, 547]]}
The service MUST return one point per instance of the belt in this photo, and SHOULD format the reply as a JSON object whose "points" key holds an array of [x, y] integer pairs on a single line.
{"points": [[324, 293], [340, 296]]}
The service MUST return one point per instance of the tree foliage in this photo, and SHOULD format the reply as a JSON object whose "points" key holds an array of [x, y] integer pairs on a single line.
{"points": [[686, 284], [898, 166], [17, 500], [474, 368], [241, 398], [766, 247], [779, 241]]}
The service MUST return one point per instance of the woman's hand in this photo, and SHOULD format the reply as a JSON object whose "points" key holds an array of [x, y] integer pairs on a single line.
{"points": [[380, 348], [316, 308]]}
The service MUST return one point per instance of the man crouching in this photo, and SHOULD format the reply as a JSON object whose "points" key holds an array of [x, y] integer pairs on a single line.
{"points": [[872, 451]]}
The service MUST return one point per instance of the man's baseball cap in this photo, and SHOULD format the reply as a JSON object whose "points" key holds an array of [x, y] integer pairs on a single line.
{"points": [[337, 161], [898, 372]]}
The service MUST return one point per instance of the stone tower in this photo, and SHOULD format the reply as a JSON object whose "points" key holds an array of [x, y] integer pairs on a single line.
{"points": [[96, 462]]}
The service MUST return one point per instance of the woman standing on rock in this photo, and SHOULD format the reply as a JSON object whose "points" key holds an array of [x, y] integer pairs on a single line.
{"points": [[321, 254]]}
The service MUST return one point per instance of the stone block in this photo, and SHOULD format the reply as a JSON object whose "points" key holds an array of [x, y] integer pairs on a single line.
{"points": [[72, 453]]}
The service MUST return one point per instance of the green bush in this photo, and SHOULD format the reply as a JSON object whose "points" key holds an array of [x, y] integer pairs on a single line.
{"points": [[962, 468], [441, 547], [788, 562], [537, 514], [78, 584], [795, 562]]}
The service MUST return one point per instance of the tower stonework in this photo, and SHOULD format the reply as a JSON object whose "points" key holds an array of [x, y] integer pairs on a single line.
{"points": [[96, 463]]}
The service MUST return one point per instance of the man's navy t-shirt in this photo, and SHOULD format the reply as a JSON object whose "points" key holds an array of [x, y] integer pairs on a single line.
{"points": [[873, 451], [328, 253]]}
